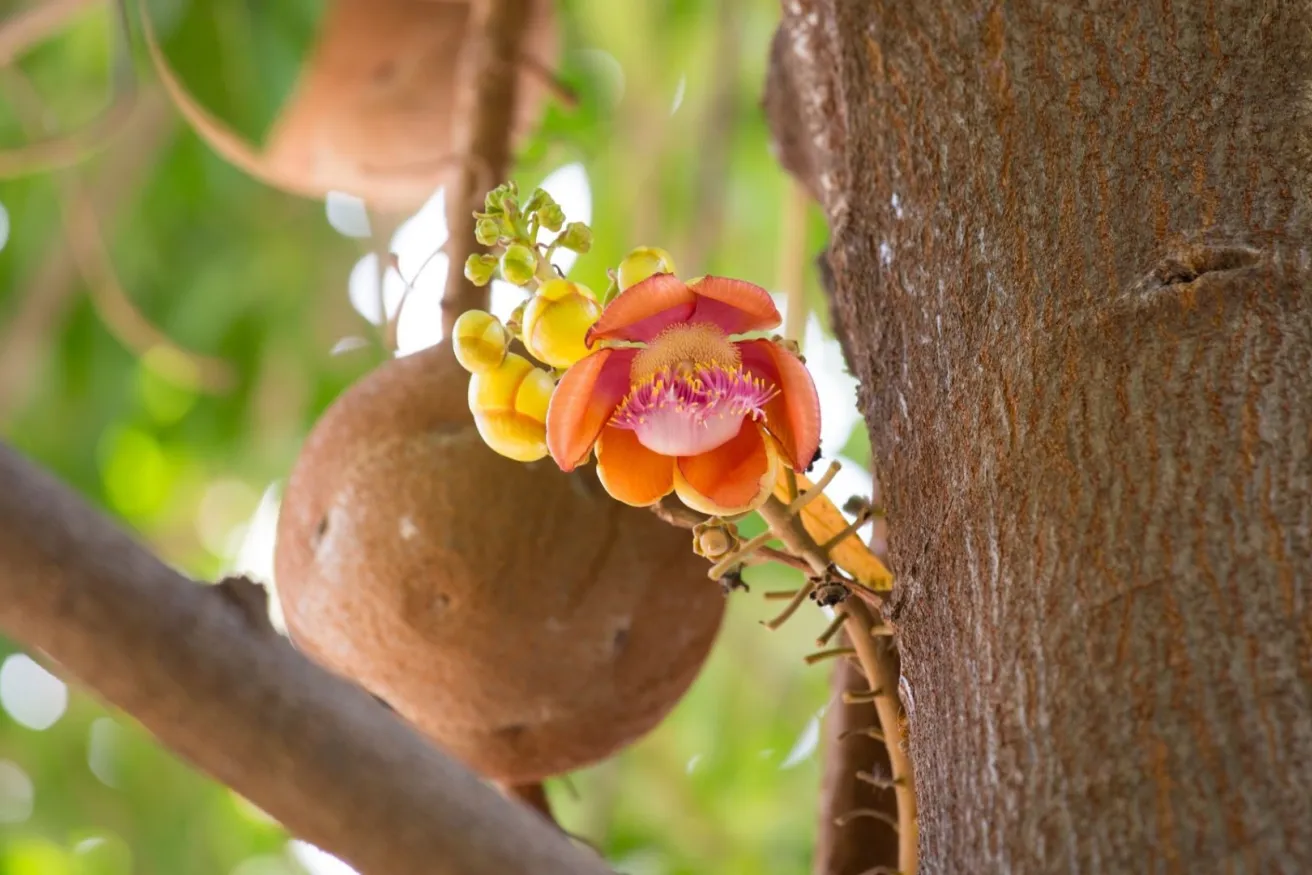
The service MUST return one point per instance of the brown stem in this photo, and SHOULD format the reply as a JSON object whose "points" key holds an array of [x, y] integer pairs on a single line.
{"points": [[207, 676], [113, 304], [487, 90], [24, 29], [52, 286], [58, 151]]}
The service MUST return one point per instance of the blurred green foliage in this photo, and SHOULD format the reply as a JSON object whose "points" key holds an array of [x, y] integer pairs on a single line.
{"points": [[227, 267]]}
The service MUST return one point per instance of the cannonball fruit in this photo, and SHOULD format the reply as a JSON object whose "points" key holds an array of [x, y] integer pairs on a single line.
{"points": [[373, 109], [518, 616]]}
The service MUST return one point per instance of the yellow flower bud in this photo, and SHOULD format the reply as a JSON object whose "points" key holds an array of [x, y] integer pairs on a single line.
{"points": [[556, 321], [480, 341], [509, 404], [643, 262]]}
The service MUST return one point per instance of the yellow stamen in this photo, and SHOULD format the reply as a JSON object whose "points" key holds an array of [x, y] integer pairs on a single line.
{"points": [[680, 348]]}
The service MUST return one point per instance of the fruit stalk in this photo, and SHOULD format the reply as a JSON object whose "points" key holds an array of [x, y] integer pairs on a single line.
{"points": [[487, 91]]}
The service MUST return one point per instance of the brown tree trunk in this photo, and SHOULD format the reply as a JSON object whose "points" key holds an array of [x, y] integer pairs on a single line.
{"points": [[1071, 259]]}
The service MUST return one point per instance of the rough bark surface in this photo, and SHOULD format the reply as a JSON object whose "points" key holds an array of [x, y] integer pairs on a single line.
{"points": [[1071, 256]]}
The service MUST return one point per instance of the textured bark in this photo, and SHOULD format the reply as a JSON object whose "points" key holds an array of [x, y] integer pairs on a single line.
{"points": [[1070, 256]]}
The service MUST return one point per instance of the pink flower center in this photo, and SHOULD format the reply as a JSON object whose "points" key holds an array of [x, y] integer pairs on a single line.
{"points": [[691, 408]]}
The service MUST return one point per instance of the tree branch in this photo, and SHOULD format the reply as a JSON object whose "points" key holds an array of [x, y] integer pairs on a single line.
{"points": [[210, 678], [486, 95]]}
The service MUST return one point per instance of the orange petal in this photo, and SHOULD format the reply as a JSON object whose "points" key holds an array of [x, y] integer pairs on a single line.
{"points": [[733, 478], [734, 305], [630, 472], [584, 400], [644, 310], [793, 415]]}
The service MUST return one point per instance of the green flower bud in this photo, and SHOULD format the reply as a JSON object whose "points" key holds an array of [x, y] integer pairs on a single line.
{"points": [[487, 231], [494, 197], [577, 237], [551, 217], [519, 264], [539, 199], [480, 268]]}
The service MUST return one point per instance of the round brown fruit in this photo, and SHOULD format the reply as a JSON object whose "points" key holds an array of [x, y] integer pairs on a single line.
{"points": [[518, 616], [373, 109]]}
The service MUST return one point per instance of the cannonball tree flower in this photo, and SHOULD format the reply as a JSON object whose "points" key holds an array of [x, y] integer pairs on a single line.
{"points": [[675, 399]]}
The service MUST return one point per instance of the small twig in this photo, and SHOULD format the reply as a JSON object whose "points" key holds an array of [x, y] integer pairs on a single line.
{"points": [[877, 781], [722, 566], [832, 653], [861, 698], [766, 555], [780, 595], [851, 529], [810, 495], [869, 732], [875, 813], [791, 607], [58, 151], [832, 629], [674, 512]]}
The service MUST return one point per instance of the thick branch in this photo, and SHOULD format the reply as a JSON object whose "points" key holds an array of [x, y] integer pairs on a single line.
{"points": [[487, 92], [213, 681]]}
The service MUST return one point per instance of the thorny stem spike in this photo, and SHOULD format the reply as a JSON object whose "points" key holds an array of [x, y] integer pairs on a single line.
{"points": [[862, 518], [719, 569], [791, 607], [862, 698], [875, 813], [832, 629], [832, 653], [779, 595], [869, 732]]}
